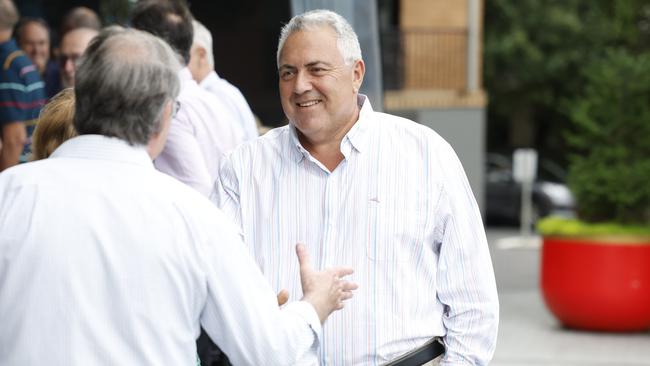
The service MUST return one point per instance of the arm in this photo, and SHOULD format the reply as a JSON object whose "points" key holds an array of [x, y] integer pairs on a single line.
{"points": [[241, 314], [225, 193], [466, 279], [14, 136], [21, 100], [182, 158]]}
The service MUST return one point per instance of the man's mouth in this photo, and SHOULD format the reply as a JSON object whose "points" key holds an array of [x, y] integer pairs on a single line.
{"points": [[308, 103]]}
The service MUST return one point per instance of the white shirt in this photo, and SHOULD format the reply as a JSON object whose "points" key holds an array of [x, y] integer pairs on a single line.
{"points": [[199, 134], [231, 96], [399, 210], [106, 261]]}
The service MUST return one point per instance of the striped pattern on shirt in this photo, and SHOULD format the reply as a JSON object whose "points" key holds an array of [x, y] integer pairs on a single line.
{"points": [[22, 93], [399, 210]]}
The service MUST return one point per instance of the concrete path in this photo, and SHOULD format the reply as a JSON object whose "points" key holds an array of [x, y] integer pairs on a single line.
{"points": [[528, 333]]}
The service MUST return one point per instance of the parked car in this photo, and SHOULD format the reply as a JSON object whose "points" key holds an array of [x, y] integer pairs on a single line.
{"points": [[551, 196]]}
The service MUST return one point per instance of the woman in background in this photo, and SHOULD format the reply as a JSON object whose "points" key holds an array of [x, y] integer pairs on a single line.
{"points": [[55, 124]]}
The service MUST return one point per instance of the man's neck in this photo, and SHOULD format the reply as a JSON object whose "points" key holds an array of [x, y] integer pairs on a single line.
{"points": [[328, 153], [327, 149]]}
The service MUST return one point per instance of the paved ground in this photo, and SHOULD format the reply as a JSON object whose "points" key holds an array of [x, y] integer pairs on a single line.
{"points": [[528, 333]]}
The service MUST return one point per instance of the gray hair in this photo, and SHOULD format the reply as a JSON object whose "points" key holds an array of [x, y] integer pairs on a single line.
{"points": [[8, 15], [347, 40], [203, 38], [122, 84]]}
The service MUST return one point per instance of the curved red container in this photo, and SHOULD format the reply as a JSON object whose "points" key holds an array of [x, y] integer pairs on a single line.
{"points": [[593, 285]]}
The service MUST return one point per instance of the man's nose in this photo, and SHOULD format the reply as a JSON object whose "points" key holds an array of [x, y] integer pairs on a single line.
{"points": [[69, 65], [302, 83]]}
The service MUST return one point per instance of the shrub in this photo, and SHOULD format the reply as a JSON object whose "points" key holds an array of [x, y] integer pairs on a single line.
{"points": [[609, 171]]}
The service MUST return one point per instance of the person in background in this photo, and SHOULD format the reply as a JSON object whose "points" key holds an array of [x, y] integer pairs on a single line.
{"points": [[55, 125], [34, 38], [22, 93], [106, 261], [204, 127], [80, 17], [376, 192], [201, 66], [73, 45]]}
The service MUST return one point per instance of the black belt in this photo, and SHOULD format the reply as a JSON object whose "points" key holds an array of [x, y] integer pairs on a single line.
{"points": [[421, 355]]}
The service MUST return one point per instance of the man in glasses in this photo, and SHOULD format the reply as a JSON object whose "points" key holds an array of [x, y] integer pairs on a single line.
{"points": [[73, 45]]}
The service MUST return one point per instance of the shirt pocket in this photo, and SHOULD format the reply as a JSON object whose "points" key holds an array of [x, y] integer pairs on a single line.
{"points": [[394, 234]]}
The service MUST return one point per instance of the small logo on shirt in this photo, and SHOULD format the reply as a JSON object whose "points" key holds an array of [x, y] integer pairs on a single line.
{"points": [[374, 199]]}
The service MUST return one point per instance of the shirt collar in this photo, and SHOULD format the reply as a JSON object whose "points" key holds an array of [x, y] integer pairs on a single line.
{"points": [[211, 78], [357, 136], [98, 147]]}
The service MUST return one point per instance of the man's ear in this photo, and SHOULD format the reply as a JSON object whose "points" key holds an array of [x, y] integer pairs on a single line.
{"points": [[358, 70], [202, 53]]}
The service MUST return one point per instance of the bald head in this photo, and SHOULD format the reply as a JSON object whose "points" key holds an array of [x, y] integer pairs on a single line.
{"points": [[80, 17], [8, 15], [73, 45]]}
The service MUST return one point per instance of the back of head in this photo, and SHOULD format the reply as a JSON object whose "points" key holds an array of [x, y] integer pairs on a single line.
{"points": [[80, 17], [203, 38], [55, 124], [122, 84], [8, 15], [347, 40], [170, 20]]}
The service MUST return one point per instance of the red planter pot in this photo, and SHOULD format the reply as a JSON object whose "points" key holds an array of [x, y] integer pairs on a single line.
{"points": [[597, 285]]}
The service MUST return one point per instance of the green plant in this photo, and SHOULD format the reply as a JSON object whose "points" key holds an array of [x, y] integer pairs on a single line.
{"points": [[609, 173]]}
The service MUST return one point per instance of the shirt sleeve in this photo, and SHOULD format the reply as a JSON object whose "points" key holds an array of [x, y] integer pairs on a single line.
{"points": [[182, 158], [241, 313], [225, 193], [467, 287]]}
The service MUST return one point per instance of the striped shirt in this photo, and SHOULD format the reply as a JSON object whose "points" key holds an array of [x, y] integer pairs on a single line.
{"points": [[399, 210], [22, 92]]}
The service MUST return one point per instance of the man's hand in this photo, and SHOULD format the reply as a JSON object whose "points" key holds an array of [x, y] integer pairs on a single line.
{"points": [[283, 297], [325, 290]]}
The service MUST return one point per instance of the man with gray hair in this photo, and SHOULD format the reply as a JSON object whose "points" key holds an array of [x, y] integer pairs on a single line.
{"points": [[202, 67], [381, 194], [106, 261]]}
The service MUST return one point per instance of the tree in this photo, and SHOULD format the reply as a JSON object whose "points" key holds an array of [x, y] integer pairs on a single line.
{"points": [[534, 53]]}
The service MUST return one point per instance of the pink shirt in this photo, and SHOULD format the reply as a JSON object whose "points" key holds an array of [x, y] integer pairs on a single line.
{"points": [[202, 130]]}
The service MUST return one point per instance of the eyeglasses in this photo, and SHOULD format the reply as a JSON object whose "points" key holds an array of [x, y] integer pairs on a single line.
{"points": [[175, 107], [74, 58]]}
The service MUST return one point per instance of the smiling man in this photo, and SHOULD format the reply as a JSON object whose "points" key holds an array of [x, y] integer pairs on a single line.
{"points": [[368, 190]]}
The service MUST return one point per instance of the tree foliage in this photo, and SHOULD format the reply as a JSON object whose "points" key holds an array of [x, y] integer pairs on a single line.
{"points": [[535, 51], [580, 69]]}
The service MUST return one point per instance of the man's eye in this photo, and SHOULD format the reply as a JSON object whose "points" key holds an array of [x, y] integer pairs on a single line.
{"points": [[286, 75]]}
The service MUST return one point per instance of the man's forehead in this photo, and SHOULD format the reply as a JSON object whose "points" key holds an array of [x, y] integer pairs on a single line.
{"points": [[312, 47], [35, 30]]}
